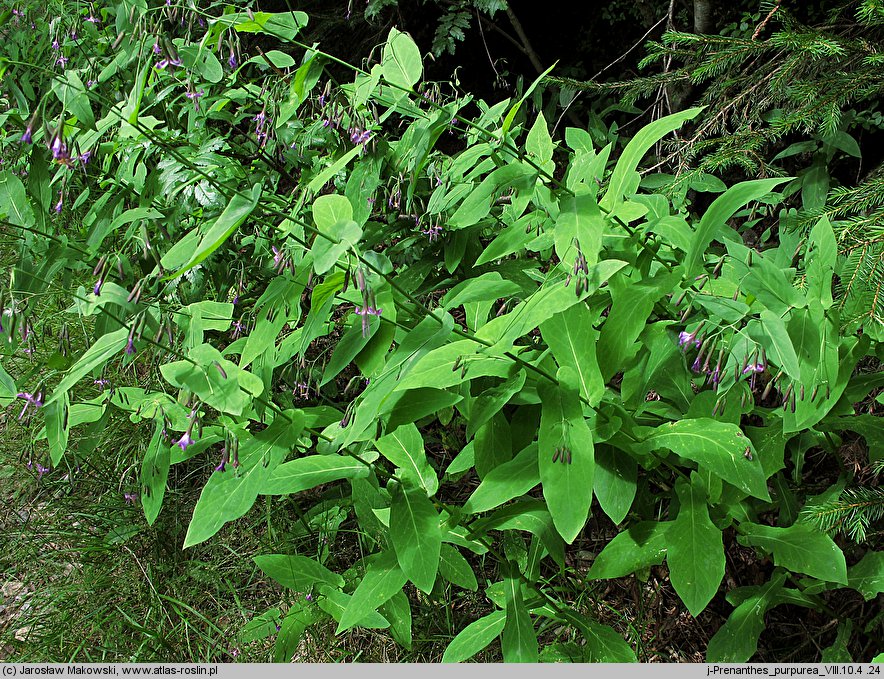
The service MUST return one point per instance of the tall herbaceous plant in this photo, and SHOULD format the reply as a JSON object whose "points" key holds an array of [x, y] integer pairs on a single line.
{"points": [[422, 311]]}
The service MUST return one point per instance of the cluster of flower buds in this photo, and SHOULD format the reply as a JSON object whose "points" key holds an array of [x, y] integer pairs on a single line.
{"points": [[752, 366], [282, 261], [562, 455], [580, 271], [229, 454], [262, 127], [369, 304], [301, 390], [395, 197]]}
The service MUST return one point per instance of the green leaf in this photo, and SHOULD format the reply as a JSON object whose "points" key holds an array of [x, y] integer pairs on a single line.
{"points": [[695, 548], [401, 60], [511, 114], [73, 95], [415, 404], [488, 286], [642, 545], [154, 473], [518, 641], [398, 611], [715, 218], [456, 569], [632, 304], [820, 262], [282, 25], [229, 391], [493, 445], [236, 212], [475, 637], [718, 446], [478, 204], [404, 447], [106, 346], [310, 471], [737, 639], [625, 180], [799, 548], [838, 651], [415, 534], [492, 400], [867, 576], [56, 416], [505, 482], [615, 481], [381, 581], [335, 603], [571, 337], [297, 573], [579, 225], [325, 175], [229, 494], [603, 644], [567, 476], [772, 335], [539, 145], [14, 203], [299, 618]]}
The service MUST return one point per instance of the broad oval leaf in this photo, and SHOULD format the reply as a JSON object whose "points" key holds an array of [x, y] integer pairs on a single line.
{"points": [[800, 548], [695, 548], [298, 573], [718, 446], [415, 534], [475, 637]]}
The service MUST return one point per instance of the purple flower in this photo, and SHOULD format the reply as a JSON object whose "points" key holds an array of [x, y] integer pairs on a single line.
{"points": [[130, 497], [59, 149], [63, 60], [308, 596], [358, 136], [432, 232], [60, 204], [130, 347], [167, 62], [753, 368], [225, 457], [90, 83], [195, 98], [157, 49], [184, 441], [685, 338], [92, 20], [55, 45], [696, 366], [96, 290], [237, 331], [85, 156], [103, 383], [41, 470], [26, 137], [231, 60], [30, 400]]}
